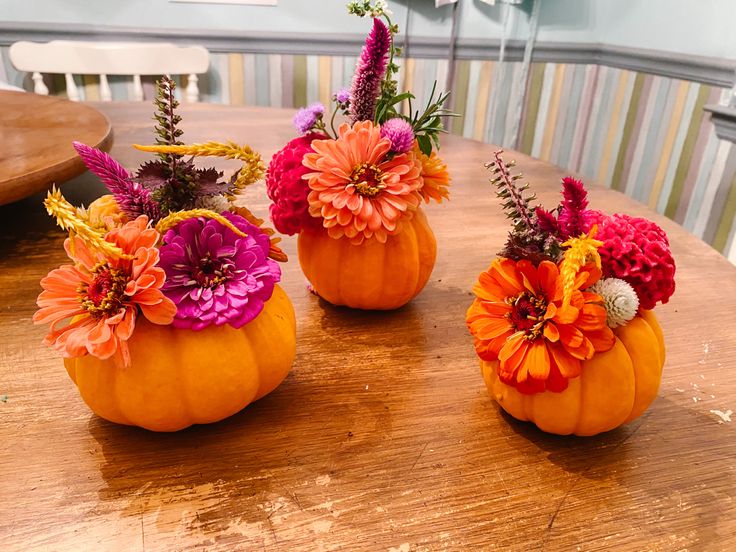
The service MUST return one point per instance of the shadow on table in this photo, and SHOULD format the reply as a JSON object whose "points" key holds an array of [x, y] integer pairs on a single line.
{"points": [[672, 455], [24, 223], [332, 418]]}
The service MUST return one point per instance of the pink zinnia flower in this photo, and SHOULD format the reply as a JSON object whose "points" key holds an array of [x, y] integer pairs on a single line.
{"points": [[369, 73], [100, 296], [356, 190], [215, 276]]}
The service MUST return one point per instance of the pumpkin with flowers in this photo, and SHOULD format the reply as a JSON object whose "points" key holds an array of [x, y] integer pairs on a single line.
{"points": [[169, 311], [353, 193], [562, 320]]}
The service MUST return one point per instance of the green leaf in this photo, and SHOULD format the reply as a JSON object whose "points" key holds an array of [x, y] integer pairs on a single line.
{"points": [[425, 145], [401, 97], [435, 139]]}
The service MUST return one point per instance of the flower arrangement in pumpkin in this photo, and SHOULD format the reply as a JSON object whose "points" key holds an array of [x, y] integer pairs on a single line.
{"points": [[572, 291], [167, 247], [363, 182], [167, 244]]}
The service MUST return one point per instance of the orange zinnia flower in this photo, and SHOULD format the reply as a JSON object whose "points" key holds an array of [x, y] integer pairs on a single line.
{"points": [[435, 175], [518, 317], [356, 189], [100, 296]]}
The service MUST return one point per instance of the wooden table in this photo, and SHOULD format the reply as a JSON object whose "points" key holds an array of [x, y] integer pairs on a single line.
{"points": [[383, 436], [36, 134]]}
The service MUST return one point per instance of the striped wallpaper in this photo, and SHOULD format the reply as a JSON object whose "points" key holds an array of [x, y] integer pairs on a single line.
{"points": [[642, 134]]}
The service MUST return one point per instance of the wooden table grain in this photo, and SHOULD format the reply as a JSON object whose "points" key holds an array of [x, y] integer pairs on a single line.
{"points": [[383, 436], [36, 134]]}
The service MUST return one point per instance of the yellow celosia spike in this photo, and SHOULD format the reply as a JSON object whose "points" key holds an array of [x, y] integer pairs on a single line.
{"points": [[67, 217], [175, 218], [251, 172], [580, 251]]}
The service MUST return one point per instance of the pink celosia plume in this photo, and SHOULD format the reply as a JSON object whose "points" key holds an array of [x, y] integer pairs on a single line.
{"points": [[574, 218], [369, 72], [134, 200]]}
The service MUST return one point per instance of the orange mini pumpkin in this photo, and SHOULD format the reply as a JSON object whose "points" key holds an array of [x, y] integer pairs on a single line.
{"points": [[615, 387], [178, 377], [372, 275]]}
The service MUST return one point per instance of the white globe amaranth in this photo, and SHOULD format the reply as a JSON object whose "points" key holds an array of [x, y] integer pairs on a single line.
{"points": [[216, 203], [619, 299]]}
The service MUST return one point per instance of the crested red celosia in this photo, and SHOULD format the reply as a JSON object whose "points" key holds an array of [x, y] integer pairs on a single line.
{"points": [[92, 306], [288, 190], [637, 251], [356, 189], [519, 318]]}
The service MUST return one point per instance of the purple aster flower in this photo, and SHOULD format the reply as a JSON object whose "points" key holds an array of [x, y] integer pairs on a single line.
{"points": [[215, 276], [342, 96], [369, 73], [306, 117], [400, 133]]}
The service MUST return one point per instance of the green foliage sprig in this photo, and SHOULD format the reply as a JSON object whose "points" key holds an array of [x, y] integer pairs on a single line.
{"points": [[526, 240], [175, 182]]}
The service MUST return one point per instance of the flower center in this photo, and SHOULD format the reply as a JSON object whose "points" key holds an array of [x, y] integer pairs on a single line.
{"points": [[367, 179], [104, 295], [527, 314], [210, 272]]}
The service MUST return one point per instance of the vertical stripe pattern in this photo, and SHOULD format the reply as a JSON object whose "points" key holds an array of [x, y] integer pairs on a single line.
{"points": [[645, 135]]}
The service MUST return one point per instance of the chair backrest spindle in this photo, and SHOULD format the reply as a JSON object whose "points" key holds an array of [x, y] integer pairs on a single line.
{"points": [[138, 89], [39, 87], [71, 87]]}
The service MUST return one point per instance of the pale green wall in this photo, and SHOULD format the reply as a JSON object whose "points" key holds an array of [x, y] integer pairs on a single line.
{"points": [[701, 27]]}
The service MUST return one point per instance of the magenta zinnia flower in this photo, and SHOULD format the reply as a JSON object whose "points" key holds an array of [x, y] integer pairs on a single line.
{"points": [[215, 276], [369, 73]]}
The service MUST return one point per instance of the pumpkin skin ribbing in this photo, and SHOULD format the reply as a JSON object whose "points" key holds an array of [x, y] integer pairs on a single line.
{"points": [[614, 387], [177, 377], [372, 275]]}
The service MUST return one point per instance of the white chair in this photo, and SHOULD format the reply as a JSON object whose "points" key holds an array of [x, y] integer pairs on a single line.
{"points": [[109, 58]]}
